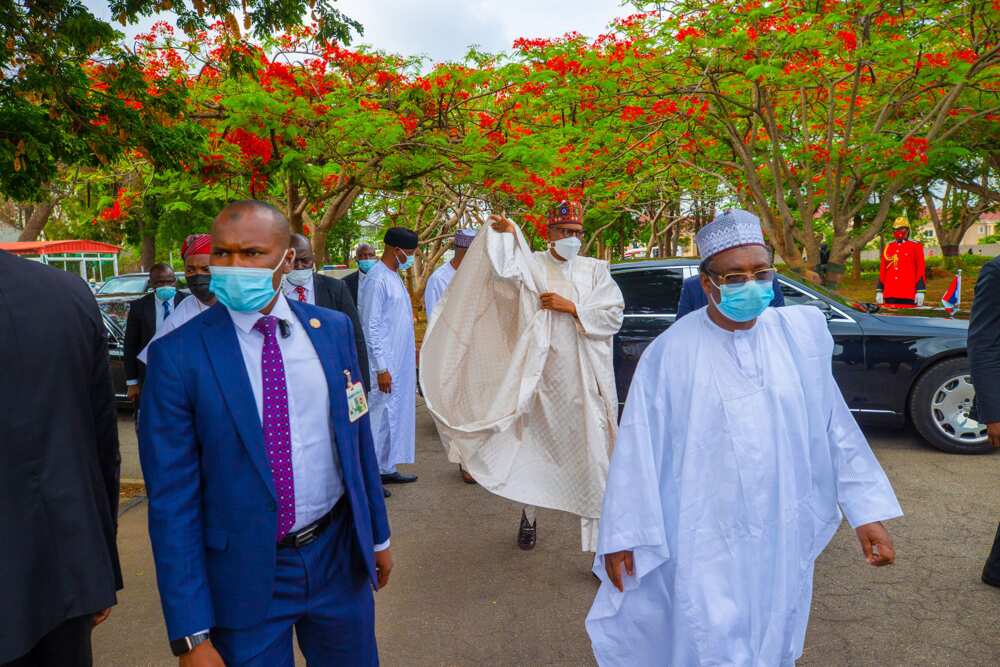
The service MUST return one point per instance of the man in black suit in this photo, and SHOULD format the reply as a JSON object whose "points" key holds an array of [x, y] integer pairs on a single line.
{"points": [[59, 468], [305, 285], [984, 357], [145, 317], [365, 256]]}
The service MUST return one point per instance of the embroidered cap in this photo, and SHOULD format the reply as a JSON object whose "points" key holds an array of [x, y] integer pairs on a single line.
{"points": [[464, 237], [566, 212], [733, 228]]}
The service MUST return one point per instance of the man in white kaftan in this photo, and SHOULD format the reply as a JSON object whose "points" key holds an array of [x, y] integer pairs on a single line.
{"points": [[516, 369], [196, 251], [441, 278], [735, 457], [387, 320]]}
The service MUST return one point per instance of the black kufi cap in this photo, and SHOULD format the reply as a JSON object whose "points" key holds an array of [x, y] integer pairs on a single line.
{"points": [[401, 237]]}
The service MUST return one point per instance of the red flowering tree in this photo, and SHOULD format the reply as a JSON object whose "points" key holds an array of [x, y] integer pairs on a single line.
{"points": [[817, 110]]}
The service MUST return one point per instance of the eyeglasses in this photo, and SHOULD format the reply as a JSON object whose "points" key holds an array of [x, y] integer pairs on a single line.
{"points": [[764, 275], [561, 233]]}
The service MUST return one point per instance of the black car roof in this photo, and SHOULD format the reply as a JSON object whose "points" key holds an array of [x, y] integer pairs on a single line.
{"points": [[656, 263]]}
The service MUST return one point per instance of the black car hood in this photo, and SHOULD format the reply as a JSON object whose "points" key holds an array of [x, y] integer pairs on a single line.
{"points": [[942, 324]]}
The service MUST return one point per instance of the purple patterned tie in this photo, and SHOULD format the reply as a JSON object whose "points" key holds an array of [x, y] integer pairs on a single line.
{"points": [[277, 434]]}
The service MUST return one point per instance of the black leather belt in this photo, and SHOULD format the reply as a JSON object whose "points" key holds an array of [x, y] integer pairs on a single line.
{"points": [[307, 535]]}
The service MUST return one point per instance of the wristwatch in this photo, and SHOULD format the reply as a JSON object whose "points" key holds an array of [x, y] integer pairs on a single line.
{"points": [[186, 644]]}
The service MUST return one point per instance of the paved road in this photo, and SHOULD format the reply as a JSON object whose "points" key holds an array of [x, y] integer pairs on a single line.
{"points": [[463, 594]]}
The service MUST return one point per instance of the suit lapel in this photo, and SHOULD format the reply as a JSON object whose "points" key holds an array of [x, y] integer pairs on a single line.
{"points": [[323, 296], [226, 358]]}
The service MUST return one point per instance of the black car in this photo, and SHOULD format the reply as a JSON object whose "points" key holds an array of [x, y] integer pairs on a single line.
{"points": [[116, 358], [890, 368]]}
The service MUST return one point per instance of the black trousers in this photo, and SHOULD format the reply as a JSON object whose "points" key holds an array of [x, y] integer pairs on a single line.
{"points": [[68, 645]]}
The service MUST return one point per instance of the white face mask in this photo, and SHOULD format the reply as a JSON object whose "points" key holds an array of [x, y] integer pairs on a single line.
{"points": [[568, 248], [299, 277]]}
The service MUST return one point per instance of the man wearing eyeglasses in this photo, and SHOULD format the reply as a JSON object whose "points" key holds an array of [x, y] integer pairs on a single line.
{"points": [[735, 462], [534, 419], [693, 296]]}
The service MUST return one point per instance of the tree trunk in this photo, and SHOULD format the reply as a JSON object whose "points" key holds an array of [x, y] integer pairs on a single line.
{"points": [[856, 264], [147, 256], [294, 212], [36, 221], [319, 236]]}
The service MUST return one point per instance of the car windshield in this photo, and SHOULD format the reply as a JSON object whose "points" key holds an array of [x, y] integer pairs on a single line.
{"points": [[124, 285]]}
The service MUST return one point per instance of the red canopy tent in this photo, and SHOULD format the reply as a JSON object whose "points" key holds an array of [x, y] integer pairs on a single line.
{"points": [[63, 253]]}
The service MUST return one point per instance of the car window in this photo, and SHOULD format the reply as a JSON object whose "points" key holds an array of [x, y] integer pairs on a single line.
{"points": [[794, 296], [651, 292], [124, 285]]}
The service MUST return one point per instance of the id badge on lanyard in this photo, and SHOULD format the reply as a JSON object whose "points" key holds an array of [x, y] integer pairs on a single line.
{"points": [[357, 403]]}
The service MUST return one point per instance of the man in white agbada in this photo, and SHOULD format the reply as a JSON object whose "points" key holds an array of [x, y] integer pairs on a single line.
{"points": [[516, 368], [387, 320], [438, 283], [196, 251], [735, 457], [441, 278]]}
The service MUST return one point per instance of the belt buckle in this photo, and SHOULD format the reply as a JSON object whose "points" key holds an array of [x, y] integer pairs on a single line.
{"points": [[305, 536]]}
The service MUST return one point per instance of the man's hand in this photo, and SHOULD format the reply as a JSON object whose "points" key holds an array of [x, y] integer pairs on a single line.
{"points": [[101, 616], [202, 655], [993, 433], [876, 544], [501, 224], [613, 566], [385, 382], [552, 301], [383, 566], [132, 392]]}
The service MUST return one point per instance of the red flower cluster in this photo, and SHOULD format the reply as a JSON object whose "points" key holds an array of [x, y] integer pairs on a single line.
{"points": [[848, 39], [915, 150], [253, 147], [630, 114], [684, 33], [115, 212]]}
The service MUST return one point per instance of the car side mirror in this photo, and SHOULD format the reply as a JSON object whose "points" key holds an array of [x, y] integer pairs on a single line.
{"points": [[823, 306]]}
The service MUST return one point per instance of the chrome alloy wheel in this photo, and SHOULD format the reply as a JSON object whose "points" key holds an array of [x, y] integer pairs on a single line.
{"points": [[950, 406]]}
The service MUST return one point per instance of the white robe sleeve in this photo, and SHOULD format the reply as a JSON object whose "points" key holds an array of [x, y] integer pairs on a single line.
{"points": [[501, 248], [632, 515], [863, 490], [373, 314], [600, 313], [432, 294]]}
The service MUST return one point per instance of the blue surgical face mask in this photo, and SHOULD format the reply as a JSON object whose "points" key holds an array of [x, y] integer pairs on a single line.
{"points": [[742, 303], [365, 265], [166, 292], [242, 288], [408, 264], [299, 277]]}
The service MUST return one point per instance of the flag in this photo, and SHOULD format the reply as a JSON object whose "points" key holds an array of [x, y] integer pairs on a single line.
{"points": [[953, 295]]}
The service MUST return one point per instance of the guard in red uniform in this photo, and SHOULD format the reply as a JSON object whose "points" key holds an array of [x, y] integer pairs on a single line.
{"points": [[902, 279]]}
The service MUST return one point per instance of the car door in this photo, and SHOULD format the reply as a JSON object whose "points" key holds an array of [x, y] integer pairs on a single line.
{"points": [[848, 343], [116, 357], [651, 296]]}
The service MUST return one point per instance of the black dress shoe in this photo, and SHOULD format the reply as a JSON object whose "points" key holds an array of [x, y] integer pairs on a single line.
{"points": [[386, 492], [398, 478], [526, 535]]}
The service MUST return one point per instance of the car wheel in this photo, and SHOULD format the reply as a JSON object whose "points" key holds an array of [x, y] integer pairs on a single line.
{"points": [[939, 409]]}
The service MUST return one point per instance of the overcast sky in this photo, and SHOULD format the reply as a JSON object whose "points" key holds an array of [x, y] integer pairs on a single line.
{"points": [[444, 29]]}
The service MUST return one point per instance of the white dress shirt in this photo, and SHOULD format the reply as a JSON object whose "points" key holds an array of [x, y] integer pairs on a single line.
{"points": [[316, 468], [291, 291], [160, 315]]}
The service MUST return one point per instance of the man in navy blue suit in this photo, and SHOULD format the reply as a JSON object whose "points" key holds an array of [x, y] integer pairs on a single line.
{"points": [[265, 501], [693, 296]]}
